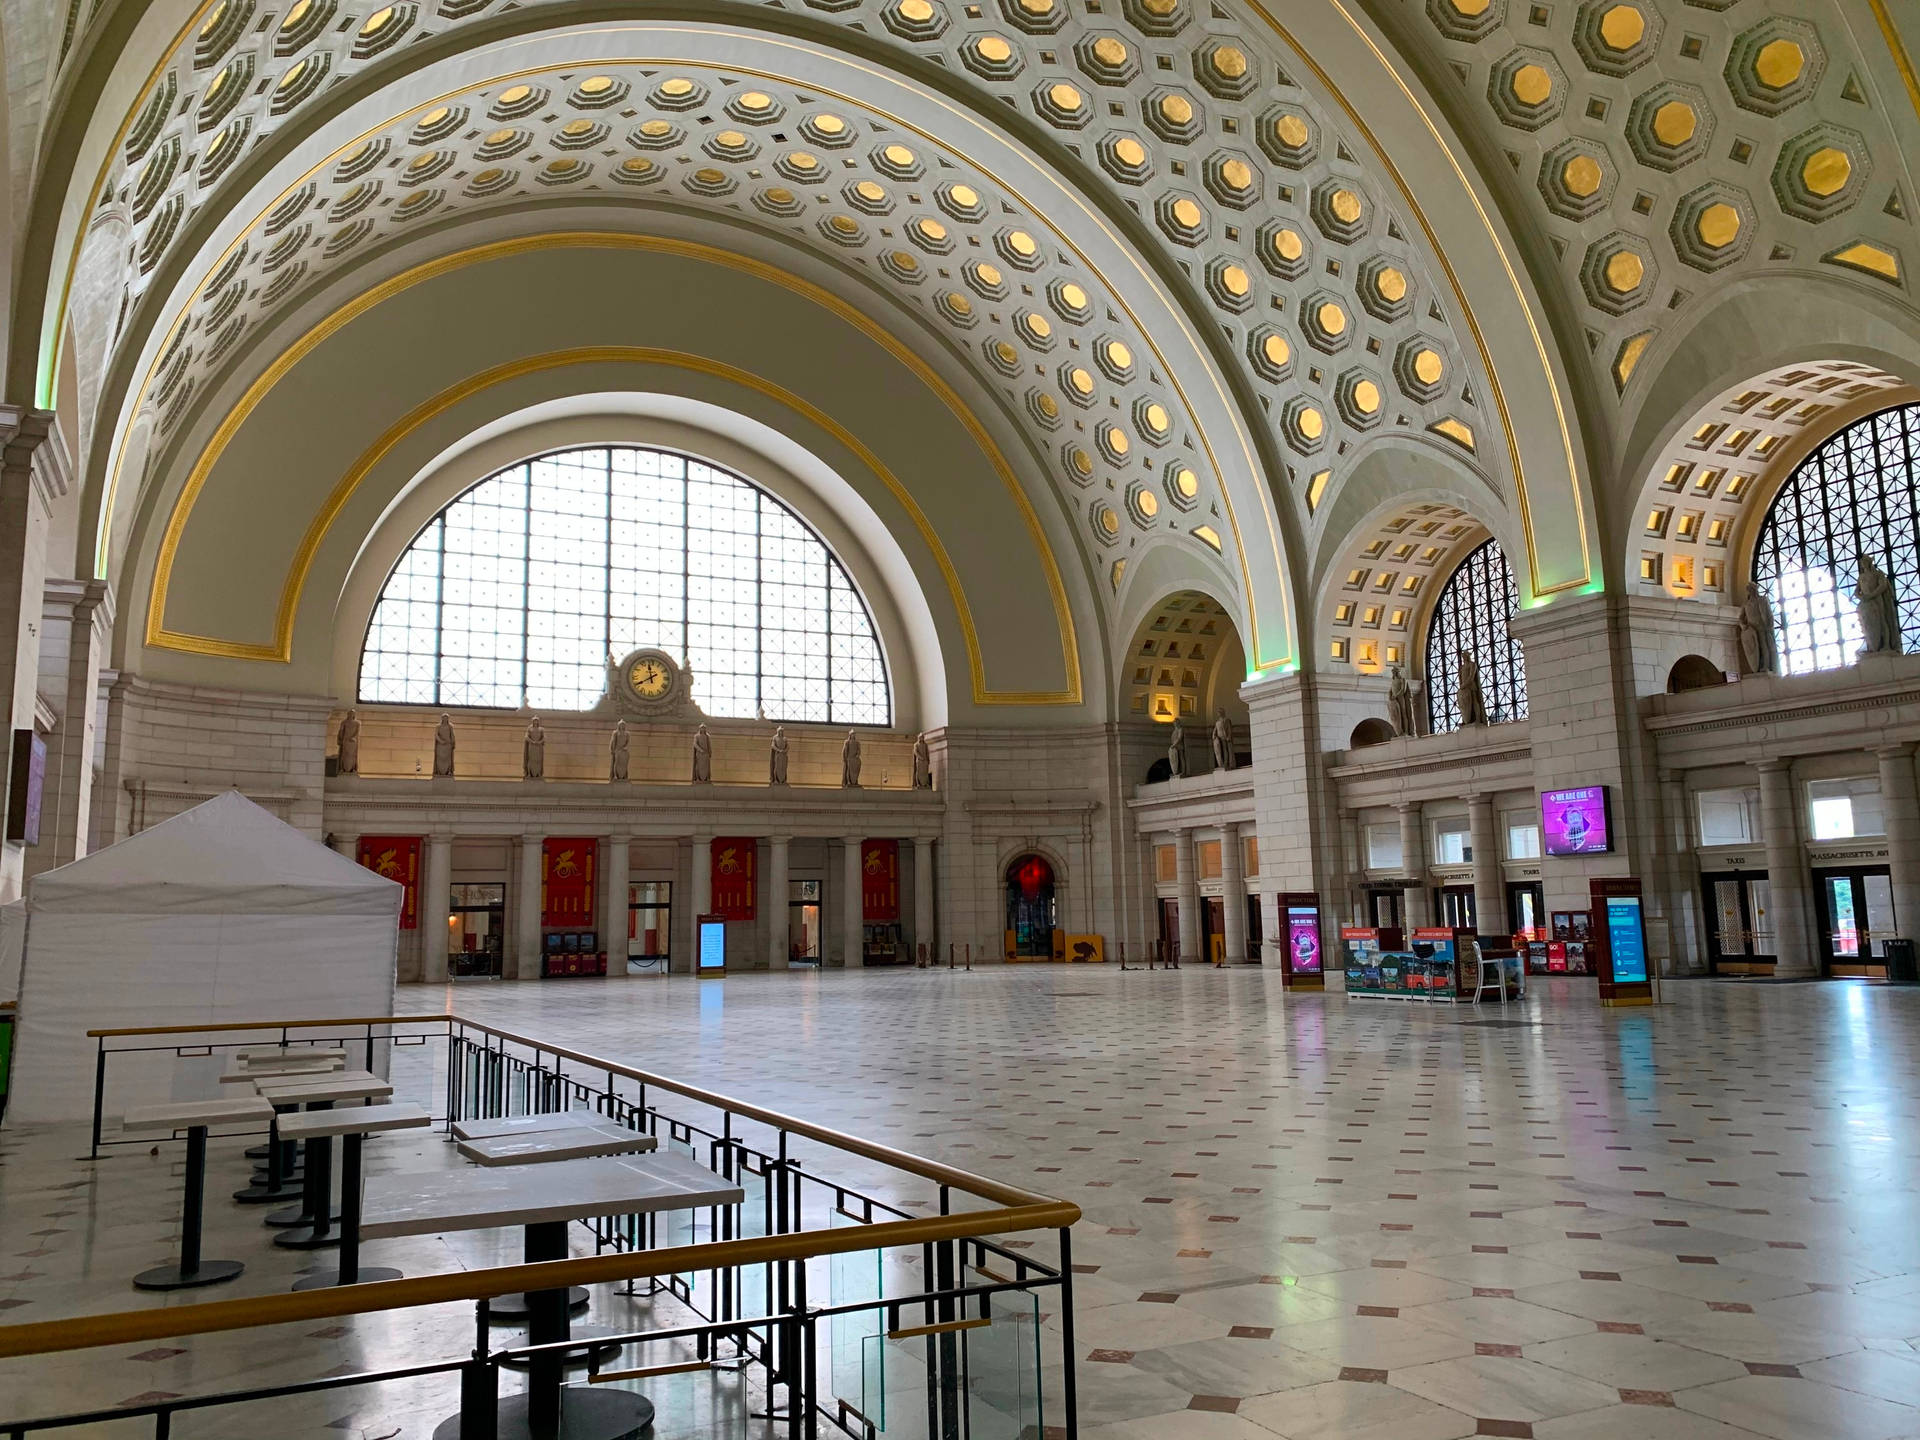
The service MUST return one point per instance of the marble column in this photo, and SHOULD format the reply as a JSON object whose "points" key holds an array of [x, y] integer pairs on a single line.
{"points": [[773, 899], [35, 473], [1413, 860], [347, 845], [436, 890], [925, 931], [1149, 907], [76, 624], [1489, 882], [524, 962], [615, 866], [1233, 894], [700, 893], [1902, 805], [852, 918], [1788, 883], [1186, 874]]}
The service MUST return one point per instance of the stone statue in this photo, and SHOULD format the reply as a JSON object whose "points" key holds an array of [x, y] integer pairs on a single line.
{"points": [[1400, 702], [617, 761], [350, 743], [922, 764], [1879, 610], [1472, 703], [443, 748], [702, 757], [1222, 740], [850, 762], [777, 757], [1177, 751], [1757, 647], [534, 751]]}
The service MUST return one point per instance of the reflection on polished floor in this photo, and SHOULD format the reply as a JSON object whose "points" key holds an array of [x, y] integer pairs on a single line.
{"points": [[1305, 1216]]}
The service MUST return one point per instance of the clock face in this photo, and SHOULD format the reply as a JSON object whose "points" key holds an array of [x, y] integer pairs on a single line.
{"points": [[650, 677]]}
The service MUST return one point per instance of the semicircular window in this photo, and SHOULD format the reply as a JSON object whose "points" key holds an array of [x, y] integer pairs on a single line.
{"points": [[519, 592], [1471, 615], [1859, 493]]}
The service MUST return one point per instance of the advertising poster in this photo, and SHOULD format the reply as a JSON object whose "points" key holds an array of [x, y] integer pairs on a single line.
{"points": [[1303, 939], [1574, 822], [1627, 939]]}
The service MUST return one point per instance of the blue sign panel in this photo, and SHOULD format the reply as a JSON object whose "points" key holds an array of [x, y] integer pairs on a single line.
{"points": [[1626, 939], [713, 945]]}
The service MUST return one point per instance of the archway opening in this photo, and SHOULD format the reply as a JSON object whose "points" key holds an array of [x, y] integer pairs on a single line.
{"points": [[1373, 731], [1032, 911], [1694, 672]]}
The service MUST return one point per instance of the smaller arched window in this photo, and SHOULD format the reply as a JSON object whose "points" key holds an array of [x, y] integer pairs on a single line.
{"points": [[1471, 615], [1859, 493]]}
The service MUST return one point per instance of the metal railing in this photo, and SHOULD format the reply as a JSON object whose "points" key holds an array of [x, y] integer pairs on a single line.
{"points": [[742, 1274]]}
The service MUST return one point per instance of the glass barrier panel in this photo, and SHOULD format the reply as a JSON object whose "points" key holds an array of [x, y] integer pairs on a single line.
{"points": [[1001, 1362]]}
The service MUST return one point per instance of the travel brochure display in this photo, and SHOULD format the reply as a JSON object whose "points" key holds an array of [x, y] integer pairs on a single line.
{"points": [[1379, 964], [1575, 822], [1567, 947]]}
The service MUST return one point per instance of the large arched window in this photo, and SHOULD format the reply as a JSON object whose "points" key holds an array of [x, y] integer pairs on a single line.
{"points": [[1855, 493], [1471, 614], [519, 590]]}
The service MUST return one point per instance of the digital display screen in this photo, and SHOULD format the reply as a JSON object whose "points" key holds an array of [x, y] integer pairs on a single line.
{"points": [[1303, 939], [1574, 822], [713, 945], [1626, 939]]}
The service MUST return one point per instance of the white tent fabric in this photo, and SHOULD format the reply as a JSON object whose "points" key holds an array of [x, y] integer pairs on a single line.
{"points": [[13, 944], [220, 914]]}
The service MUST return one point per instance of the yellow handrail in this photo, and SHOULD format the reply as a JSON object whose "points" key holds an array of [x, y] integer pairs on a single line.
{"points": [[1016, 1210]]}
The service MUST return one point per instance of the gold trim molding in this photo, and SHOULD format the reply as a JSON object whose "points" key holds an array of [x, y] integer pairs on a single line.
{"points": [[280, 649]]}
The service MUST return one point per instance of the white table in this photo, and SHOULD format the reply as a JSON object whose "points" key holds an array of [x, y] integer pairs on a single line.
{"points": [[309, 1226], [353, 1125], [572, 1142], [543, 1198], [244, 1072], [250, 1054], [195, 1117], [521, 1124]]}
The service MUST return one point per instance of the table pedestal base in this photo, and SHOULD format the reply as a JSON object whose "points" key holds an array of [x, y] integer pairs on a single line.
{"points": [[307, 1238], [327, 1279], [592, 1349], [177, 1277], [512, 1309], [587, 1412], [262, 1193]]}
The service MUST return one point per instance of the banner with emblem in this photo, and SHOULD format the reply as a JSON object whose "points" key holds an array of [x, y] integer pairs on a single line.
{"points": [[566, 883], [398, 858], [880, 879], [733, 882]]}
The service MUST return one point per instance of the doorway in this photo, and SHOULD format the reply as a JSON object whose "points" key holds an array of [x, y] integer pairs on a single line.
{"points": [[1527, 909], [803, 922], [1856, 919], [1031, 911], [1169, 911], [1213, 918], [1453, 907], [476, 927], [1739, 925], [649, 924], [1386, 909]]}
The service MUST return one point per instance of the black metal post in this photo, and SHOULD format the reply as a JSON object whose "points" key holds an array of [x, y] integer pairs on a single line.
{"points": [[196, 1200], [99, 1093], [479, 1399], [1069, 1387]]}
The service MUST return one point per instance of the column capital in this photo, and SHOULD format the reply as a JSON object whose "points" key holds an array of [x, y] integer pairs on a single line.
{"points": [[778, 839], [1774, 764], [441, 837], [852, 839], [1230, 829], [1405, 807], [1901, 751]]}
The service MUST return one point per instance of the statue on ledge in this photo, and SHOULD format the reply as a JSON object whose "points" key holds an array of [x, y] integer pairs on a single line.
{"points": [[702, 756], [1400, 702], [443, 749], [533, 754], [617, 762], [1177, 751], [350, 744], [922, 764], [1468, 696], [777, 757], [1758, 650], [1222, 740], [850, 762], [1879, 610]]}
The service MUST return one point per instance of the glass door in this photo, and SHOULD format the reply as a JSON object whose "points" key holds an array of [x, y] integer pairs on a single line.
{"points": [[649, 925], [1739, 927], [803, 922], [1454, 904], [476, 925], [1213, 916], [1527, 909], [1384, 909], [1170, 929], [1856, 919]]}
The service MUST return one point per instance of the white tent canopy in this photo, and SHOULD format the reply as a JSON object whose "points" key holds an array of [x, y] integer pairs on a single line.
{"points": [[220, 914]]}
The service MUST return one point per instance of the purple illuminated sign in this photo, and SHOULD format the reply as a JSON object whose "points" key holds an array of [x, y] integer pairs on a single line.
{"points": [[1575, 821], [1303, 939]]}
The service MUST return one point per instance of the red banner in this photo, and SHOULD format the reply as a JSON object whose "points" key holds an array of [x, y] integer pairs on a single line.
{"points": [[566, 883], [398, 858], [880, 879], [733, 883]]}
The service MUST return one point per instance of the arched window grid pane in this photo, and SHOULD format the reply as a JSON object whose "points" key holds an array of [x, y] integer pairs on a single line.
{"points": [[1471, 614], [516, 593], [1860, 491]]}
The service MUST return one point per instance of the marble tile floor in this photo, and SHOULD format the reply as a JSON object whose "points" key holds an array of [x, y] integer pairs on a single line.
{"points": [[1305, 1216]]}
